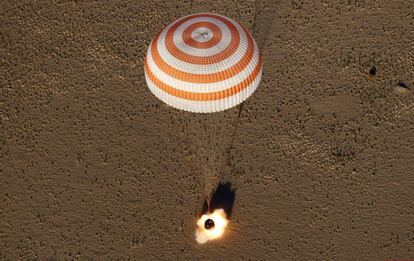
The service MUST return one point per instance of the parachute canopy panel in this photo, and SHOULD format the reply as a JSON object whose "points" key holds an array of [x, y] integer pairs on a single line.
{"points": [[203, 63]]}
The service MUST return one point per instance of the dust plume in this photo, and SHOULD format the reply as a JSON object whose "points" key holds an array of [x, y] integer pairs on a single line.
{"points": [[220, 223]]}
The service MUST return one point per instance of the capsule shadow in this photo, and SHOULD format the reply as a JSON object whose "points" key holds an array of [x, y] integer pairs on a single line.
{"points": [[223, 197]]}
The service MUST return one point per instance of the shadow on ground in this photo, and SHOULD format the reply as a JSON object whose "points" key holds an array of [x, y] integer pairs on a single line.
{"points": [[223, 197]]}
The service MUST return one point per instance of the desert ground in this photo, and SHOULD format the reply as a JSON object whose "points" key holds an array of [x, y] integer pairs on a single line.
{"points": [[95, 167]]}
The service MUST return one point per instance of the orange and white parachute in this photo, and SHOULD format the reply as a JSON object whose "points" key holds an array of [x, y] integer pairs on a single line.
{"points": [[203, 63]]}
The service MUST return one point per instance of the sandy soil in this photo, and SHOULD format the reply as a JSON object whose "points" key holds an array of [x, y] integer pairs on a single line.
{"points": [[94, 167]]}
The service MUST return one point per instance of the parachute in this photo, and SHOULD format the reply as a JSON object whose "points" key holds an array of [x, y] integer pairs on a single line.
{"points": [[203, 63]]}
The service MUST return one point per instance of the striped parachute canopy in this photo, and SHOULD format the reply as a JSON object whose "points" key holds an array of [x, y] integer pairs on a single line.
{"points": [[203, 63]]}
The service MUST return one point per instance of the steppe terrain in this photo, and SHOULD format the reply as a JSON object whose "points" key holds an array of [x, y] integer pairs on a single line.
{"points": [[94, 167]]}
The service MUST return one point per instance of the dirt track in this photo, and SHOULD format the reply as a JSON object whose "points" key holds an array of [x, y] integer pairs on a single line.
{"points": [[94, 167]]}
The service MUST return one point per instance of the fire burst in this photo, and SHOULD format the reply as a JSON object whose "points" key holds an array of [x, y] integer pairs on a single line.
{"points": [[211, 226]]}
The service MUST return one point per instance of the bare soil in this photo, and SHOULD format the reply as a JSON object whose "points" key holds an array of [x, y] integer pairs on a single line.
{"points": [[94, 167]]}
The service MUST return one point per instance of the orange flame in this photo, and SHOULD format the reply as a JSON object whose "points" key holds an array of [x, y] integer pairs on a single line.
{"points": [[220, 222]]}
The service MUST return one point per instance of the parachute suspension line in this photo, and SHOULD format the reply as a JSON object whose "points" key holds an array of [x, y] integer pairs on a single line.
{"points": [[194, 136], [236, 124], [261, 43], [202, 133], [233, 136], [229, 76], [212, 149], [205, 171]]}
